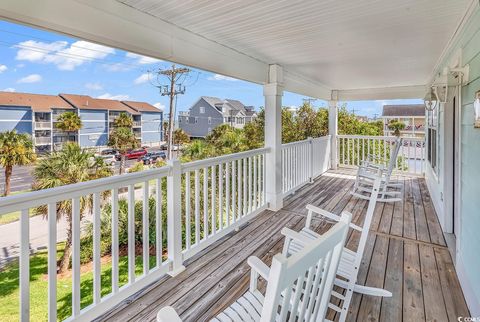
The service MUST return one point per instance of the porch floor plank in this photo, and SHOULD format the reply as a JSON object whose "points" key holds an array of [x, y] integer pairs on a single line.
{"points": [[405, 253]]}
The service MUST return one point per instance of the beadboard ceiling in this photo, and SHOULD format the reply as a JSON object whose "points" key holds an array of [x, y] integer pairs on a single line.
{"points": [[348, 44]]}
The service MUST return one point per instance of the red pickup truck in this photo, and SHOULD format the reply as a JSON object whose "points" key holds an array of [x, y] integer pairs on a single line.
{"points": [[133, 154]]}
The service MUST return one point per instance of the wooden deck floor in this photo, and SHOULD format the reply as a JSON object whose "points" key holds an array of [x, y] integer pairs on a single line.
{"points": [[406, 254]]}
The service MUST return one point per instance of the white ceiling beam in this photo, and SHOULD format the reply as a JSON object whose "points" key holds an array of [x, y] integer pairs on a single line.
{"points": [[384, 93], [113, 24]]}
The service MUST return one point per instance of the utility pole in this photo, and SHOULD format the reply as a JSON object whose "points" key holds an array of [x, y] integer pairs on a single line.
{"points": [[309, 101], [174, 88]]}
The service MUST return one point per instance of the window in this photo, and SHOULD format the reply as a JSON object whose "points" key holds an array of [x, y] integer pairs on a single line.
{"points": [[209, 130], [202, 109], [432, 123], [209, 120]]}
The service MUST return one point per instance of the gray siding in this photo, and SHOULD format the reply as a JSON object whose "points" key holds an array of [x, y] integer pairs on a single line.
{"points": [[200, 129], [94, 131], [16, 118], [152, 127]]}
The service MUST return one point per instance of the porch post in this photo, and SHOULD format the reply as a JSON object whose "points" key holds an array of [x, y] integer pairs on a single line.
{"points": [[333, 129], [273, 92], [174, 219]]}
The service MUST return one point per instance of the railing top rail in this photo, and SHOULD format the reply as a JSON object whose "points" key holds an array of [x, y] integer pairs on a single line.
{"points": [[295, 143], [343, 136], [194, 165], [41, 197], [325, 137]]}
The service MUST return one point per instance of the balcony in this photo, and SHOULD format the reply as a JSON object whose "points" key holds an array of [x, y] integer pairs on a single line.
{"points": [[210, 215], [43, 140], [228, 193], [42, 125]]}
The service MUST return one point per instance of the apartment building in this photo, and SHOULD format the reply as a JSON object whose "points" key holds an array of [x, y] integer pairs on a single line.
{"points": [[37, 114], [412, 115], [210, 112]]}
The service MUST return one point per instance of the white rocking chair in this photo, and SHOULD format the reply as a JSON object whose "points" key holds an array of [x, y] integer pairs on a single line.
{"points": [[298, 286], [350, 261], [371, 168]]}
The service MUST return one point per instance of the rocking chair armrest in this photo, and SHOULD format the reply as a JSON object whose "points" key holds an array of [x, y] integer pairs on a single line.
{"points": [[168, 314], [258, 266], [293, 235], [331, 216]]}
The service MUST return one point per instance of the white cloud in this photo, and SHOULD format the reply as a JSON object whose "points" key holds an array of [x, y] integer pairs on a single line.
{"points": [[61, 54], [142, 60], [94, 86], [160, 106], [33, 78], [9, 89], [142, 79], [120, 97], [219, 77], [3, 68], [118, 67]]}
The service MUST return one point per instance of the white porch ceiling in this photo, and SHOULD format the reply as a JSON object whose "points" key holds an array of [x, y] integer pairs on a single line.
{"points": [[364, 49], [350, 44]]}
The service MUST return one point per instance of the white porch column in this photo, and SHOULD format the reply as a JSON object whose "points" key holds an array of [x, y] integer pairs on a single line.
{"points": [[273, 92], [333, 130]]}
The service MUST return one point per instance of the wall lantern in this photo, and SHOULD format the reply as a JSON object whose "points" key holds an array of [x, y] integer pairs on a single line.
{"points": [[431, 99], [476, 109]]}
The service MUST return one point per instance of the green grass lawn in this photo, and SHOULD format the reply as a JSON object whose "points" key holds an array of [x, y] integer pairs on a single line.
{"points": [[9, 287]]}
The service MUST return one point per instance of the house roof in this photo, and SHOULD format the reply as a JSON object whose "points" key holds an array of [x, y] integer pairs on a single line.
{"points": [[403, 110], [142, 106], [86, 102], [234, 107], [113, 105], [37, 102], [82, 101]]}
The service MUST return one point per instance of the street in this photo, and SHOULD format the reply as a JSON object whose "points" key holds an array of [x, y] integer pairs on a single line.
{"points": [[22, 178]]}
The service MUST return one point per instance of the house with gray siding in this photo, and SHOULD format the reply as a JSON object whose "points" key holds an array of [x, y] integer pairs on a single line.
{"points": [[210, 112]]}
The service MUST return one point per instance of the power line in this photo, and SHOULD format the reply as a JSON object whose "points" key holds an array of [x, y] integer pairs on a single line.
{"points": [[175, 77]]}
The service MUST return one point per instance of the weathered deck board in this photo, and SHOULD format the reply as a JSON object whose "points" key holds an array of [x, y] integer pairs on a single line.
{"points": [[405, 253]]}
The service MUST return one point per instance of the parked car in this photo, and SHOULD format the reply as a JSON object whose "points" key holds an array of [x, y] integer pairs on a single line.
{"points": [[152, 157], [108, 159], [109, 152], [133, 154], [175, 147]]}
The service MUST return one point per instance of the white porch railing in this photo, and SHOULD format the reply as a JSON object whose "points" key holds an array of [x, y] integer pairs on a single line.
{"points": [[189, 206], [304, 160], [220, 195], [352, 149]]}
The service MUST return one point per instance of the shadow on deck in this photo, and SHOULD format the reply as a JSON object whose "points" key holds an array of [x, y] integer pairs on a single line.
{"points": [[405, 254]]}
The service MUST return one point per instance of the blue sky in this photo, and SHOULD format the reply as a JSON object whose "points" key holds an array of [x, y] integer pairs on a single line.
{"points": [[42, 62]]}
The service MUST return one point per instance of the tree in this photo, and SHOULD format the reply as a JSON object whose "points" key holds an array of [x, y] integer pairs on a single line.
{"points": [[122, 139], [396, 127], [123, 120], [69, 122], [15, 149], [70, 165], [180, 137]]}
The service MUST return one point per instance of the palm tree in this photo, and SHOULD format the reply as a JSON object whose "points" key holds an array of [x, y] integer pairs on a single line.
{"points": [[396, 127], [123, 120], [69, 122], [15, 149], [70, 165], [122, 139]]}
